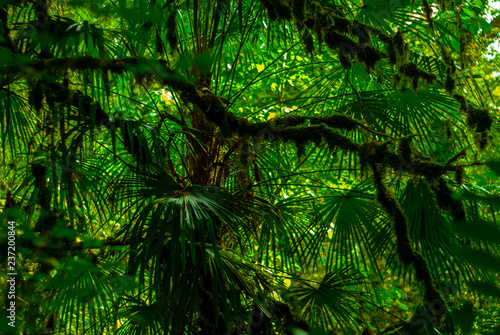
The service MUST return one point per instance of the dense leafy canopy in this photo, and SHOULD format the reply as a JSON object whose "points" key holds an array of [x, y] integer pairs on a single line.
{"points": [[250, 167]]}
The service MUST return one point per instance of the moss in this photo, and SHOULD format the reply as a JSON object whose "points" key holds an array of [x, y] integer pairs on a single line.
{"points": [[367, 331], [383, 152], [363, 35], [412, 72], [338, 121], [336, 41], [345, 61], [449, 83], [403, 244], [172, 38], [217, 114], [38, 171], [244, 152], [321, 21], [83, 63], [405, 150], [290, 120], [309, 23], [234, 122], [370, 56], [447, 59], [414, 83], [297, 134], [435, 301], [461, 100], [448, 130], [392, 54], [399, 221], [308, 41], [396, 80], [430, 170], [480, 121], [271, 12], [397, 48], [398, 42], [422, 273], [336, 140], [341, 24], [456, 157], [283, 11], [482, 140], [298, 10], [36, 96], [301, 148], [276, 9], [365, 153], [446, 201]]}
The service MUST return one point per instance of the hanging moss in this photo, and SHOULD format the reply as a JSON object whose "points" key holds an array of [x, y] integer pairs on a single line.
{"points": [[399, 221], [447, 59], [322, 21], [336, 41], [396, 80], [217, 113], [461, 100], [38, 171], [172, 37], [392, 54], [404, 250], [159, 48], [345, 61], [413, 73], [370, 56], [309, 23], [422, 273], [409, 70], [336, 140], [338, 121], [478, 119], [459, 175], [341, 24], [363, 35], [290, 120], [299, 135], [430, 170], [308, 41], [448, 132], [367, 331], [283, 11], [398, 42], [36, 96], [404, 148], [445, 199], [456, 157], [276, 9], [365, 154], [397, 49], [449, 83], [271, 12], [244, 152], [298, 10]]}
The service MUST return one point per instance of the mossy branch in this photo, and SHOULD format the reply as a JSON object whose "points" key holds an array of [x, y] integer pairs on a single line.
{"points": [[404, 249]]}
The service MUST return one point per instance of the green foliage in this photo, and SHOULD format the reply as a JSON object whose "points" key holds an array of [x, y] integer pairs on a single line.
{"points": [[263, 167]]}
